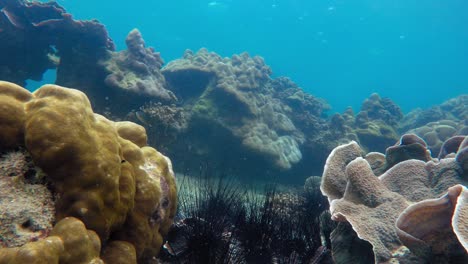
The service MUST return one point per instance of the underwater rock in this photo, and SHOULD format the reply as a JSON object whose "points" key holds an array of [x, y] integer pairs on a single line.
{"points": [[137, 69], [372, 204], [101, 172], [39, 36], [375, 124], [374, 127], [384, 109], [453, 109], [235, 94]]}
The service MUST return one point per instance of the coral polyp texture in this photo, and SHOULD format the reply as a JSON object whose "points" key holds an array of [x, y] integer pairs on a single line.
{"points": [[137, 69], [229, 86], [399, 212], [102, 176]]}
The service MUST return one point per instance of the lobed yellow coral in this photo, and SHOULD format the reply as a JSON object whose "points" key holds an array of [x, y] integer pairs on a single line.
{"points": [[69, 242], [101, 171], [12, 114]]}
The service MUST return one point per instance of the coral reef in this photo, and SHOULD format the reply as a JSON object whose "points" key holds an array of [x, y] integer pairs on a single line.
{"points": [[137, 69], [233, 95], [372, 204], [374, 127], [39, 36], [271, 126], [100, 172], [410, 146], [436, 133], [453, 109]]}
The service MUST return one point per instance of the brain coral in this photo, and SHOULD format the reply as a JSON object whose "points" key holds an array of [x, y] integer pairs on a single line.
{"points": [[101, 173], [372, 204]]}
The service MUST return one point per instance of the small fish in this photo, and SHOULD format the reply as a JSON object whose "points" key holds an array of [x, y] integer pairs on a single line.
{"points": [[167, 247], [12, 18]]}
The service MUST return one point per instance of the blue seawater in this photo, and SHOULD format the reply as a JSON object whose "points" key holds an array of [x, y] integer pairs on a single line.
{"points": [[413, 51]]}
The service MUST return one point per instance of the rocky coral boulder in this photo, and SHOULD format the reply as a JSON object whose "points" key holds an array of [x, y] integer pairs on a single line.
{"points": [[101, 173], [137, 71], [453, 109], [374, 127], [238, 95], [39, 36]]}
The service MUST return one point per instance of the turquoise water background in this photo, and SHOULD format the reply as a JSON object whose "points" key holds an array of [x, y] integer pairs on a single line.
{"points": [[413, 51]]}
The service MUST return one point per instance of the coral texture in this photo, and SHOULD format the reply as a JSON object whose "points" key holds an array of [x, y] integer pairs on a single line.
{"points": [[453, 109], [436, 133], [374, 127], [69, 242], [101, 172], [437, 227], [27, 207], [227, 88], [137, 69], [34, 35], [372, 204]]}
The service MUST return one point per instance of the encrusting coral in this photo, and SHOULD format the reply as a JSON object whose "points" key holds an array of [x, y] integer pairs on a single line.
{"points": [[137, 69], [374, 127], [373, 204], [453, 110], [232, 86], [101, 174], [235, 101]]}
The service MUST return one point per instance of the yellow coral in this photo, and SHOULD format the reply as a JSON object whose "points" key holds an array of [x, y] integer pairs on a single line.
{"points": [[69, 242], [12, 114], [102, 173]]}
